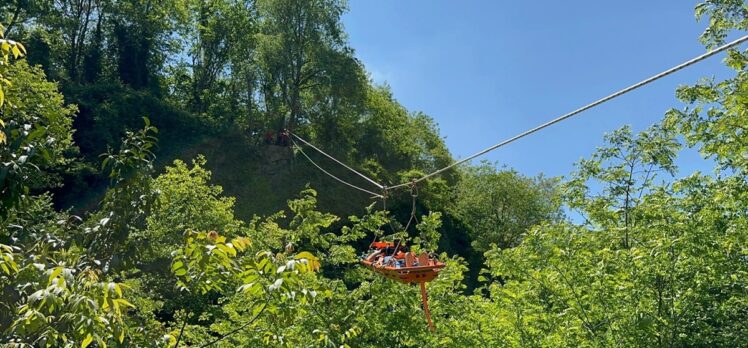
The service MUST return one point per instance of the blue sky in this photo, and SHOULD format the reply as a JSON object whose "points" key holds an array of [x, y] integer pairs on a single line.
{"points": [[487, 70]]}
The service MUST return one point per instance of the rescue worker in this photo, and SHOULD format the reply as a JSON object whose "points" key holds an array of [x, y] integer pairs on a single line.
{"points": [[284, 140], [269, 137]]}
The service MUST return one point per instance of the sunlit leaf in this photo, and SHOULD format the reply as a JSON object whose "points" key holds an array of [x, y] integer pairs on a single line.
{"points": [[86, 341]]}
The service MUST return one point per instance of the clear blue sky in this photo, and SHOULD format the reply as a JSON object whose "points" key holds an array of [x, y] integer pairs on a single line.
{"points": [[486, 70]]}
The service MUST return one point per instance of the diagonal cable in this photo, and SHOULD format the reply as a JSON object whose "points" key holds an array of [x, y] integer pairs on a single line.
{"points": [[331, 175], [584, 108], [338, 162]]}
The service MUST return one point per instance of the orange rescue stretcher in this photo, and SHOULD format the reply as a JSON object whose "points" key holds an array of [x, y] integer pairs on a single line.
{"points": [[385, 259], [401, 266]]}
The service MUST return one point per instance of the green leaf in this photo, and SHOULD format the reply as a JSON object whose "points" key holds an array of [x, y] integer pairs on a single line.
{"points": [[86, 341], [241, 243], [16, 52], [228, 249], [177, 265], [55, 272], [304, 255], [312, 260], [125, 302]]}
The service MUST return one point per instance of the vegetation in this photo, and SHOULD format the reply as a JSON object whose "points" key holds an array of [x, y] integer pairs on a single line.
{"points": [[115, 122]]}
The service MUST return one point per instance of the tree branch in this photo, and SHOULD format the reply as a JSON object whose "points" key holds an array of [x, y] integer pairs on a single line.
{"points": [[242, 327]]}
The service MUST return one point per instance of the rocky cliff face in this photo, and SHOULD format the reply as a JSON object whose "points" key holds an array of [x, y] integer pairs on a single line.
{"points": [[275, 159]]}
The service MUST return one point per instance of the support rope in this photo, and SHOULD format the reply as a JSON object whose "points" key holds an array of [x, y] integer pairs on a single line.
{"points": [[331, 175], [380, 186]]}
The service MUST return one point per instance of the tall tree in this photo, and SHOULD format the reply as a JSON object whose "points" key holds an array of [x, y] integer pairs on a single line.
{"points": [[77, 21], [17, 13], [301, 47], [143, 38], [221, 62], [35, 133]]}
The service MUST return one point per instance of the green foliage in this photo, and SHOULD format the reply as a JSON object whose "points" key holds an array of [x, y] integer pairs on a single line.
{"points": [[500, 206], [716, 117], [36, 128], [197, 68], [73, 305], [54, 293], [205, 266], [428, 232], [390, 142], [300, 52], [218, 81], [7, 263], [186, 201], [626, 169], [128, 201], [724, 16], [263, 281], [643, 268], [108, 109], [8, 49]]}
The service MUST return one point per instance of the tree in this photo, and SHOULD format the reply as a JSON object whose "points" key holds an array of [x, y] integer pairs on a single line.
{"points": [[35, 129], [141, 36], [715, 119], [626, 169], [301, 48], [499, 207], [186, 201], [52, 294], [8, 49], [639, 271], [19, 12]]}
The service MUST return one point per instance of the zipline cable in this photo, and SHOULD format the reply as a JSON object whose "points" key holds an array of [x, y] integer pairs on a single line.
{"points": [[582, 109], [380, 186], [331, 175]]}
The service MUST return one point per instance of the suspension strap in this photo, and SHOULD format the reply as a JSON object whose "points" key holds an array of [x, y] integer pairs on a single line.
{"points": [[413, 196]]}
